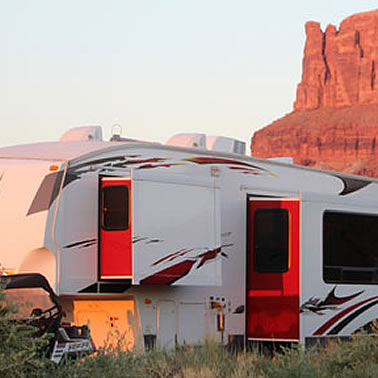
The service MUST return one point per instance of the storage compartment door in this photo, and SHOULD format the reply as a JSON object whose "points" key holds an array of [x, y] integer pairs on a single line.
{"points": [[115, 228], [273, 269], [112, 322]]}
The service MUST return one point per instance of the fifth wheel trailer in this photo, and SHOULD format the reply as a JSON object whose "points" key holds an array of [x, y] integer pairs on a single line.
{"points": [[162, 245]]}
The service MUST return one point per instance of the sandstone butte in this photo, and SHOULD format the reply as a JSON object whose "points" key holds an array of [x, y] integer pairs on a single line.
{"points": [[334, 124]]}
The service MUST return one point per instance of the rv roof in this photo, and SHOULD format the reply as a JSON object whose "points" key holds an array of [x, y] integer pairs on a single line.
{"points": [[53, 150], [67, 151]]}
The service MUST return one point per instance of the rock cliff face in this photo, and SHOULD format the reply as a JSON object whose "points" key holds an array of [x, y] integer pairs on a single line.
{"points": [[334, 124]]}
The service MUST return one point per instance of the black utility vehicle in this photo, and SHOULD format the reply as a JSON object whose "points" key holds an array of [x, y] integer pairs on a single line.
{"points": [[39, 306]]}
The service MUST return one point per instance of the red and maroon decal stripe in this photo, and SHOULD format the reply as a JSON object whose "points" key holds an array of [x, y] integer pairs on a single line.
{"points": [[348, 319], [173, 273], [332, 299], [208, 255], [150, 166], [213, 160], [247, 171], [326, 326], [169, 275], [172, 256]]}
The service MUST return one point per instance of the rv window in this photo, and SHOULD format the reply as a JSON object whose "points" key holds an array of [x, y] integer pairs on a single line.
{"points": [[350, 248], [115, 208], [271, 250]]}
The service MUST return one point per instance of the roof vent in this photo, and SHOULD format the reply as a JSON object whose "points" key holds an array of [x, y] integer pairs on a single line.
{"points": [[188, 140], [82, 134]]}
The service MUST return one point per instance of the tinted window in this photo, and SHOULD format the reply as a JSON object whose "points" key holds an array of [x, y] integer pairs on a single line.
{"points": [[115, 208], [271, 248], [350, 248]]}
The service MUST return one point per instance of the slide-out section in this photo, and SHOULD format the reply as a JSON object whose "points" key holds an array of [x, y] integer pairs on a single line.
{"points": [[176, 232]]}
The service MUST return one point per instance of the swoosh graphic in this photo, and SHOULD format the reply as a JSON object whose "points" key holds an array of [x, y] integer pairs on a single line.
{"points": [[348, 319], [171, 256], [85, 243], [169, 275], [332, 299], [351, 184], [338, 316], [214, 160]]}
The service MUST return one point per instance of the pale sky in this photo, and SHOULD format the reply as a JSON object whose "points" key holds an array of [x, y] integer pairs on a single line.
{"points": [[156, 67]]}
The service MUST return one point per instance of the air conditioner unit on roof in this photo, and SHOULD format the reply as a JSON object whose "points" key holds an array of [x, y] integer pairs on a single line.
{"points": [[191, 140], [82, 134], [209, 142]]}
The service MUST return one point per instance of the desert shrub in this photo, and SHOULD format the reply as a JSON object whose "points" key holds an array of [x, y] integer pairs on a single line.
{"points": [[21, 353], [20, 357], [293, 362], [358, 358], [191, 361], [204, 361]]}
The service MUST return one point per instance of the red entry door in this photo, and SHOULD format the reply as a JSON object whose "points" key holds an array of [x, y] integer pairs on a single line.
{"points": [[273, 269], [115, 228]]}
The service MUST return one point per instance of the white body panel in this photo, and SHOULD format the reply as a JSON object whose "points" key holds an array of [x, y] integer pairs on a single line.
{"points": [[77, 221], [189, 209], [26, 193], [312, 283]]}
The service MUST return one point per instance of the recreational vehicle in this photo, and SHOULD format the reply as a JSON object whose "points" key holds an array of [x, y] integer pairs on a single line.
{"points": [[179, 243]]}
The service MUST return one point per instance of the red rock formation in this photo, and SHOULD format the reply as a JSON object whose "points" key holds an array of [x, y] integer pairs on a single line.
{"points": [[339, 66], [334, 124], [344, 139]]}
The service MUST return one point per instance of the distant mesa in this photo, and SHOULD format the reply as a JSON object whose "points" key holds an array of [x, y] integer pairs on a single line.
{"points": [[334, 124]]}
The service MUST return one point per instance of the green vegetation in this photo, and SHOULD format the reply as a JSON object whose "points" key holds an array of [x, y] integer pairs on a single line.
{"points": [[21, 356], [358, 358]]}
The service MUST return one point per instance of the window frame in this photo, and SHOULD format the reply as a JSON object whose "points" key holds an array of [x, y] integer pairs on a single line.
{"points": [[344, 269], [125, 225], [256, 265]]}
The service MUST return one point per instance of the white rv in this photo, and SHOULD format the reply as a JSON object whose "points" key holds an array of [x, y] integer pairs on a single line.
{"points": [[167, 245]]}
